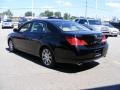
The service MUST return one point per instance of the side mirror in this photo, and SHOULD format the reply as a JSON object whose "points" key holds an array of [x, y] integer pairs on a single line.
{"points": [[15, 30]]}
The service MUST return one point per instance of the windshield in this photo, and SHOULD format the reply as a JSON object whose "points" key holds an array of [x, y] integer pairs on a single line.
{"points": [[108, 24], [94, 22], [69, 26], [8, 21]]}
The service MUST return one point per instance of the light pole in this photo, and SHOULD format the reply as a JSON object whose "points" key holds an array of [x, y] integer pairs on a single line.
{"points": [[86, 6], [32, 9]]}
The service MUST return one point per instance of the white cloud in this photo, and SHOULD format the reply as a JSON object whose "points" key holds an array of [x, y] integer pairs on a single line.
{"points": [[113, 4], [64, 3]]}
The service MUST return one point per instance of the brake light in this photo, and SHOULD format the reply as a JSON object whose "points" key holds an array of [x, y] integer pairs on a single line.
{"points": [[103, 39], [75, 41]]}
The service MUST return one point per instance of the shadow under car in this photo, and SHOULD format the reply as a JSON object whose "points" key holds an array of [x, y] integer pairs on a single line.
{"points": [[62, 67]]}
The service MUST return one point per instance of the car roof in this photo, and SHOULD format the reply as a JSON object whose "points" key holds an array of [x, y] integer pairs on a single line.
{"points": [[49, 20], [82, 18]]}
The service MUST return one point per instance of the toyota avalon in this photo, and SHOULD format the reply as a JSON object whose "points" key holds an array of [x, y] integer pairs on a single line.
{"points": [[58, 41]]}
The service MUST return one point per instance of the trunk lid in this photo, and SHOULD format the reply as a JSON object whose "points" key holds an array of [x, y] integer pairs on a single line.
{"points": [[91, 37]]}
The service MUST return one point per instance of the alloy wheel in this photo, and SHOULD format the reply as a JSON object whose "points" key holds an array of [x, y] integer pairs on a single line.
{"points": [[47, 57]]}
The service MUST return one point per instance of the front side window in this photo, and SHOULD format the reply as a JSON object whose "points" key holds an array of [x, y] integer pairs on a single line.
{"points": [[25, 27], [69, 26]]}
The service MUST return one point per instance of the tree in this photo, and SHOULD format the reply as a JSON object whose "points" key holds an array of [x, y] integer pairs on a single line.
{"points": [[29, 13], [8, 13], [66, 16], [42, 14], [47, 13], [57, 14], [1, 14], [73, 17]]}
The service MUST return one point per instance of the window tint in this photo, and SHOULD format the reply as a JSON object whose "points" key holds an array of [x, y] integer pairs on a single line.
{"points": [[38, 27], [25, 28]]}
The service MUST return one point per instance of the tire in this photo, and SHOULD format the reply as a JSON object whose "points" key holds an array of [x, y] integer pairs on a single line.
{"points": [[106, 36], [115, 35], [47, 57], [11, 46]]}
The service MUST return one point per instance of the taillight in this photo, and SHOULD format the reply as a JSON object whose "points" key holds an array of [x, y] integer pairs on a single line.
{"points": [[75, 41], [103, 39]]}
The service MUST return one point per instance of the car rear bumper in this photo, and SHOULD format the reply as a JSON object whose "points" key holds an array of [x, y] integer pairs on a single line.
{"points": [[106, 33], [114, 33], [81, 55]]}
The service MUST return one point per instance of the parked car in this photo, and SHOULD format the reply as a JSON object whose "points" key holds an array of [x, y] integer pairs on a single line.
{"points": [[113, 31], [58, 41], [94, 24], [21, 21], [7, 24]]}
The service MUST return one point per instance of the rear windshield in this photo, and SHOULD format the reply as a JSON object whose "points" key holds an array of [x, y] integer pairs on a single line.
{"points": [[69, 26]]}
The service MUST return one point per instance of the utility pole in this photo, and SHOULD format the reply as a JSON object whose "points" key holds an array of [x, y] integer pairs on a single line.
{"points": [[96, 9], [32, 9], [86, 6]]}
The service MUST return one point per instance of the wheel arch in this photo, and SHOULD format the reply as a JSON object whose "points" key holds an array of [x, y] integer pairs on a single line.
{"points": [[46, 46]]}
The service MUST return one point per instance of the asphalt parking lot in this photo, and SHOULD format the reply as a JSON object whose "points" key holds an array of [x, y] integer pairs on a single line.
{"points": [[20, 71]]}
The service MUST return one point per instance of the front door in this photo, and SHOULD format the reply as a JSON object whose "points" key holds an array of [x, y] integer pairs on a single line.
{"points": [[20, 37], [35, 37]]}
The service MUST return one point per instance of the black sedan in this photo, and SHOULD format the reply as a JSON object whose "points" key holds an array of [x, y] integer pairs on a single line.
{"points": [[58, 41]]}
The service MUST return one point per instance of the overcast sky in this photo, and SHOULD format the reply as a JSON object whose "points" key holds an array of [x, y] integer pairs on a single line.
{"points": [[106, 8]]}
